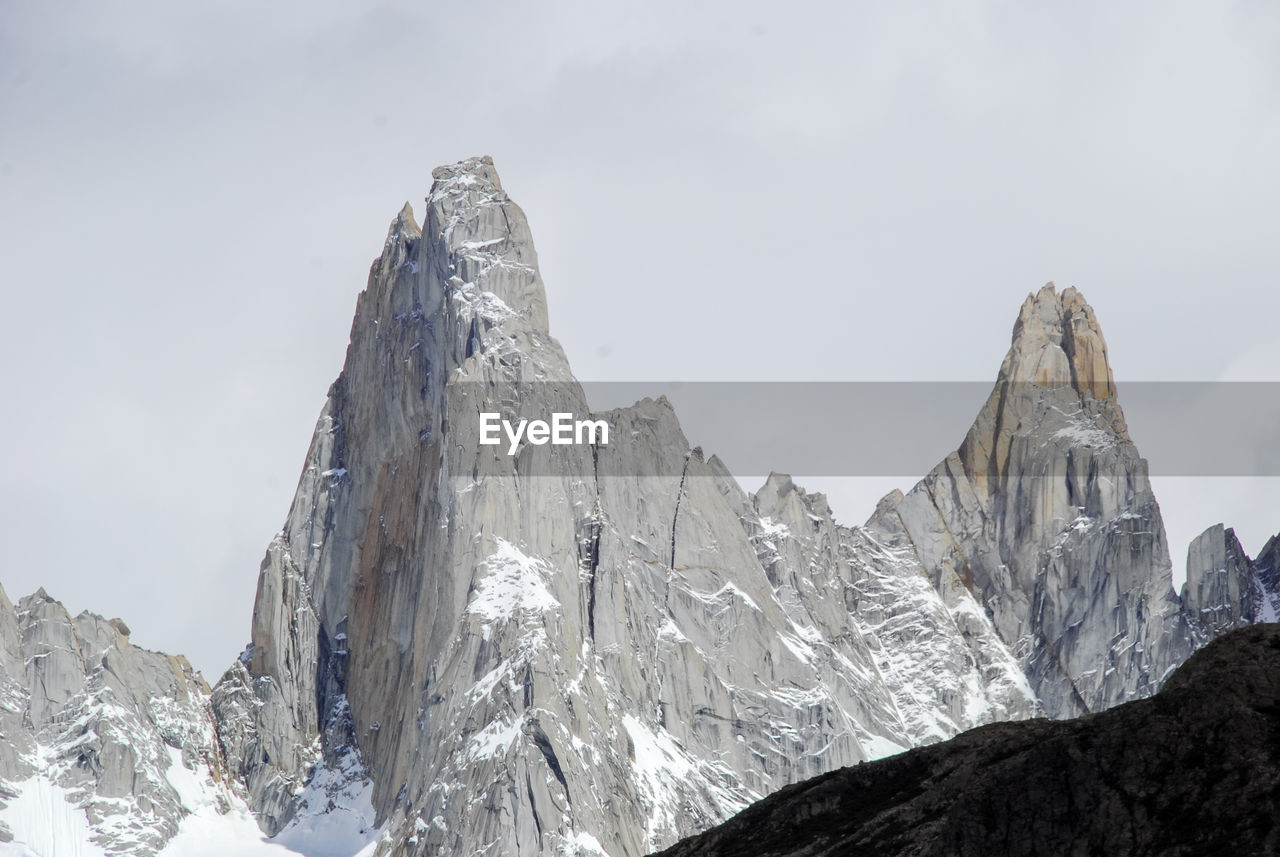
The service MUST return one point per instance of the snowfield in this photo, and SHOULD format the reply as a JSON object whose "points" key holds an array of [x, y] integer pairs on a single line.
{"points": [[45, 822]]}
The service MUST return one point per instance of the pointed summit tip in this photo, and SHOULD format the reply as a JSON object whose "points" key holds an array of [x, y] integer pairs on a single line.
{"points": [[1057, 342], [404, 225]]}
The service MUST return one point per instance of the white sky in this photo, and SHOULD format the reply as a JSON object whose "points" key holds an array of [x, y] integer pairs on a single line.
{"points": [[191, 194]]}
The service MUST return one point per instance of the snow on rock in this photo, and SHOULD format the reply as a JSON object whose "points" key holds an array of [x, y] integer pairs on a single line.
{"points": [[514, 582], [482, 656], [45, 822]]}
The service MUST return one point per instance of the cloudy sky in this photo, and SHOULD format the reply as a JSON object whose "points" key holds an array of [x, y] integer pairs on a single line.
{"points": [[191, 195]]}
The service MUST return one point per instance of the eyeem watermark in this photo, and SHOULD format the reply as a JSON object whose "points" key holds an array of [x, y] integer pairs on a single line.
{"points": [[563, 430]]}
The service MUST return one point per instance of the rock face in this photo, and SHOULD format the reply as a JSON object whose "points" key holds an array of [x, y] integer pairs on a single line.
{"points": [[95, 730], [1224, 588], [598, 649], [1267, 570], [1194, 770], [523, 655], [1045, 514]]}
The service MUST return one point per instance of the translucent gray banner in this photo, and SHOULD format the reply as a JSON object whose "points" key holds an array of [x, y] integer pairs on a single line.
{"points": [[871, 428]]}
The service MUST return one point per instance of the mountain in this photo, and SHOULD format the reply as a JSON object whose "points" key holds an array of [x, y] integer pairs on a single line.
{"points": [[523, 655], [600, 648], [97, 736], [1045, 514], [1193, 770], [1226, 589]]}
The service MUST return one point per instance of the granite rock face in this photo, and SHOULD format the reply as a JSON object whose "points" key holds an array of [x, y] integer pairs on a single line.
{"points": [[600, 649], [1045, 515], [1225, 589], [91, 722], [1266, 569], [1194, 770], [596, 653]]}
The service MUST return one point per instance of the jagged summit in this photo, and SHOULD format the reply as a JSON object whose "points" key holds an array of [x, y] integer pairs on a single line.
{"points": [[1225, 589], [1045, 513], [558, 645], [477, 169], [95, 724], [1057, 342], [518, 663], [1054, 384], [404, 224]]}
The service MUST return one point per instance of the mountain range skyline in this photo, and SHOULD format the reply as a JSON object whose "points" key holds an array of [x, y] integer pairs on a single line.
{"points": [[457, 649], [786, 498], [1183, 498], [884, 188]]}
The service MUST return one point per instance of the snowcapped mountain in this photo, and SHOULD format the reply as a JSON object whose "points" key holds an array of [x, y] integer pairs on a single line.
{"points": [[110, 749], [100, 736], [594, 649]]}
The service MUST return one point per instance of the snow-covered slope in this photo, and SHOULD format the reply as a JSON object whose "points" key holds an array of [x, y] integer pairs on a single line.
{"points": [[91, 725], [110, 750]]}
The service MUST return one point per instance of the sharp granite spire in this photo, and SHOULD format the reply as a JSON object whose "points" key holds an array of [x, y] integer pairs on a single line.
{"points": [[1045, 514]]}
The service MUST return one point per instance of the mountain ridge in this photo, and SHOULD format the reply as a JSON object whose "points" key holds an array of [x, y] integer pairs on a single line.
{"points": [[1193, 769], [598, 650]]}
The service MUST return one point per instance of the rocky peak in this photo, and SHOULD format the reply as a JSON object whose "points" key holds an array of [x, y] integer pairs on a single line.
{"points": [[1045, 513], [1055, 382], [1225, 589], [483, 236], [1057, 342], [478, 169], [1219, 587], [90, 721], [518, 660]]}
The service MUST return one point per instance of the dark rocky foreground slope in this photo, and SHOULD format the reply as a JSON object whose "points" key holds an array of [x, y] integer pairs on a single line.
{"points": [[1192, 770]]}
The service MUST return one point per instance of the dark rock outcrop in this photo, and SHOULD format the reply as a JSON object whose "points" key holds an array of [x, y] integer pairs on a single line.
{"points": [[1192, 770]]}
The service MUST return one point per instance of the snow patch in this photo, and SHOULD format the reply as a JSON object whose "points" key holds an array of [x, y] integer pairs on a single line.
{"points": [[878, 746], [1084, 431], [774, 529], [515, 582], [44, 822], [586, 845], [492, 740]]}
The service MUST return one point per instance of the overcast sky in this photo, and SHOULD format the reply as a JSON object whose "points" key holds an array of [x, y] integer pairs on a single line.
{"points": [[191, 195]]}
